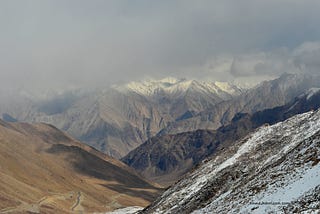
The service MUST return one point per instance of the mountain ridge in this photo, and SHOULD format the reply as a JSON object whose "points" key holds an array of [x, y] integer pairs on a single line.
{"points": [[267, 94]]}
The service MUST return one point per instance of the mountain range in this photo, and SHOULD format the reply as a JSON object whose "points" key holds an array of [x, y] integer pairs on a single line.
{"points": [[117, 119], [165, 158], [215, 146], [268, 94]]}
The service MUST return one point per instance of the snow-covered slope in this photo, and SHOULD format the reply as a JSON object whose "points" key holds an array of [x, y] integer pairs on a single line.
{"points": [[275, 169]]}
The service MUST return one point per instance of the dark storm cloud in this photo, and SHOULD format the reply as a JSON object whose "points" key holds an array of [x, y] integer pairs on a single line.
{"points": [[60, 44]]}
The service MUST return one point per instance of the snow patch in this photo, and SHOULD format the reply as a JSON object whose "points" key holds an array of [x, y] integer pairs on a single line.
{"points": [[127, 210], [312, 91]]}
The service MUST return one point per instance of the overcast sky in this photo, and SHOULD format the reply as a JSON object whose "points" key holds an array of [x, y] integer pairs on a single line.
{"points": [[79, 43]]}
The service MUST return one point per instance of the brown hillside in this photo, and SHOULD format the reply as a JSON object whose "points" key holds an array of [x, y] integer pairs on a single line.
{"points": [[44, 170]]}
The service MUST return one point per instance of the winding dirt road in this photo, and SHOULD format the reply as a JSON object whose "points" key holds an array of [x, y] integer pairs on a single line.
{"points": [[77, 205]]}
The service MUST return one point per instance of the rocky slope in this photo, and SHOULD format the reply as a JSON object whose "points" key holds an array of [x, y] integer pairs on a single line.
{"points": [[42, 170], [276, 169], [165, 158], [118, 119]]}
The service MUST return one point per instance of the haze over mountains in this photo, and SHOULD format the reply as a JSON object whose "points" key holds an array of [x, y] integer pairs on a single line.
{"points": [[118, 119]]}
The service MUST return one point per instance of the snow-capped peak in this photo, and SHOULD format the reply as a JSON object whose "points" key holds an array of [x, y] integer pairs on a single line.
{"points": [[170, 80], [227, 87], [172, 85]]}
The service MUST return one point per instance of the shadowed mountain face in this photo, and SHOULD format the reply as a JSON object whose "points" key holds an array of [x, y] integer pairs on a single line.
{"points": [[45, 171], [165, 158], [8, 118]]}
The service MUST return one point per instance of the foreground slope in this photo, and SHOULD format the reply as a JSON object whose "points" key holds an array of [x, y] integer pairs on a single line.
{"points": [[165, 158], [275, 169], [44, 171]]}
